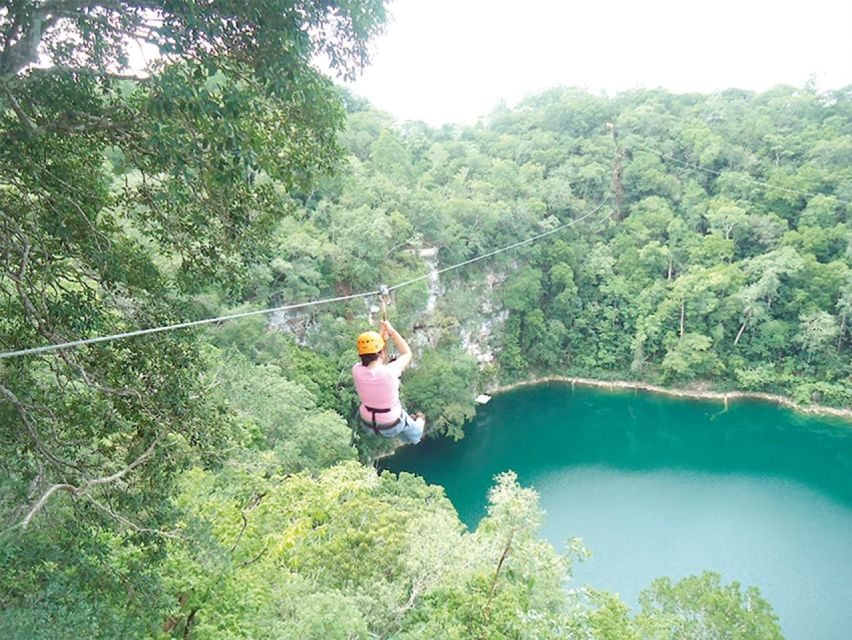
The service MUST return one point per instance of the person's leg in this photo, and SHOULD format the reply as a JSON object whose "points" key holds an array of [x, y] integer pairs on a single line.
{"points": [[412, 431]]}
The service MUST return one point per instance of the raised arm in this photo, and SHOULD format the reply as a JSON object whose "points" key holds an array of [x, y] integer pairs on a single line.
{"points": [[404, 357]]}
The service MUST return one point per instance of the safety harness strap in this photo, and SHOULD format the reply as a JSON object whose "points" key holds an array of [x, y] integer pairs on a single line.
{"points": [[374, 425]]}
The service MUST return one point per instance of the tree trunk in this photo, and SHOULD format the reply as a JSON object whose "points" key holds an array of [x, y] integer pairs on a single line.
{"points": [[618, 186], [617, 169], [486, 613], [187, 629], [740, 333], [682, 313]]}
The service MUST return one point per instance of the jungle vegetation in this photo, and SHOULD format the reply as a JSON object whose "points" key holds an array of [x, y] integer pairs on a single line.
{"points": [[207, 483]]}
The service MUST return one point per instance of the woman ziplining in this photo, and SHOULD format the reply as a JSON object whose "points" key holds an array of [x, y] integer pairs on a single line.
{"points": [[377, 384]]}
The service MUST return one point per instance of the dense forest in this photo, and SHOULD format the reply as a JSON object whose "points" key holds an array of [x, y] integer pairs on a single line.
{"points": [[207, 483]]}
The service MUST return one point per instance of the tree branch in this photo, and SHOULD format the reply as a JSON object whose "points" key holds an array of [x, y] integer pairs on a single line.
{"points": [[486, 613], [43, 500], [81, 490], [32, 430], [19, 111], [415, 593], [37, 75], [128, 523], [256, 558], [246, 510]]}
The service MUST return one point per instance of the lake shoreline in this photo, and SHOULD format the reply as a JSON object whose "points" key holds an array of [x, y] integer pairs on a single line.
{"points": [[721, 396]]}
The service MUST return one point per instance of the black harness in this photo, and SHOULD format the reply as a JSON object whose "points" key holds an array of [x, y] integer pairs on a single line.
{"points": [[375, 426]]}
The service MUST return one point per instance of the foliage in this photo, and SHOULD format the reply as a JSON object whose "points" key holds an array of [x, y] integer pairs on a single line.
{"points": [[701, 607], [126, 199], [442, 387], [203, 485], [280, 416], [352, 554], [317, 373], [210, 145]]}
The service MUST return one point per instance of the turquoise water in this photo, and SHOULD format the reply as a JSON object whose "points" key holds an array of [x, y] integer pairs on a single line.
{"points": [[657, 486]]}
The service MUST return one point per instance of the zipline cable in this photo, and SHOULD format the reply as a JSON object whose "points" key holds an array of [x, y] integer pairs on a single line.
{"points": [[739, 177], [181, 325], [502, 249], [301, 305]]}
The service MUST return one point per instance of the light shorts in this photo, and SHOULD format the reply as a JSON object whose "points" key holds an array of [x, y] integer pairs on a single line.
{"points": [[407, 430]]}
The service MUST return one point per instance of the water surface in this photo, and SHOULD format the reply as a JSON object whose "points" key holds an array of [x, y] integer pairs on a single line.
{"points": [[662, 486]]}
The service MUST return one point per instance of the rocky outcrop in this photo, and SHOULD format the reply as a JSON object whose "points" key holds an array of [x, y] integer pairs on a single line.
{"points": [[296, 322]]}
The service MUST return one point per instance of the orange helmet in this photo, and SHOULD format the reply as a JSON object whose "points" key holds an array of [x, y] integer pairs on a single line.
{"points": [[370, 342]]}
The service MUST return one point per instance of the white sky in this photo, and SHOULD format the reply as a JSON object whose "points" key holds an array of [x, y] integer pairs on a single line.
{"points": [[454, 60]]}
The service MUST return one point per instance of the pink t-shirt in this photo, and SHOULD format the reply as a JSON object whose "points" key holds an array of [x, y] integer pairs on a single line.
{"points": [[378, 388]]}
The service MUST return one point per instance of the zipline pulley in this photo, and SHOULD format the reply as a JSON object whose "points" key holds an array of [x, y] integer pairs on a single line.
{"points": [[384, 294]]}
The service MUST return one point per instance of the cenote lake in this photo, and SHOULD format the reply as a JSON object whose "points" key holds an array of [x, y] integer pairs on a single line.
{"points": [[659, 486]]}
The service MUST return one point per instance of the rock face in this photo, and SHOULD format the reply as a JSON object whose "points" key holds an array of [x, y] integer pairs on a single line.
{"points": [[430, 257], [476, 337], [426, 332], [296, 322], [477, 341], [475, 334]]}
